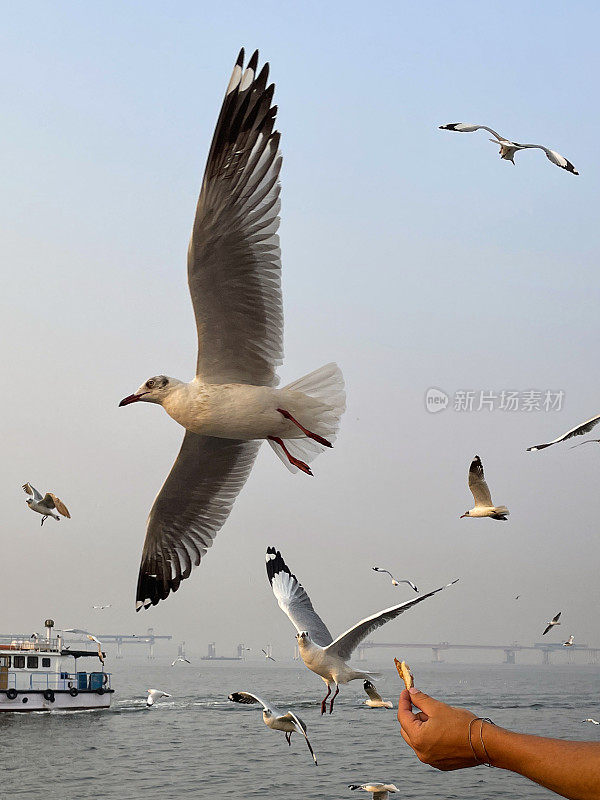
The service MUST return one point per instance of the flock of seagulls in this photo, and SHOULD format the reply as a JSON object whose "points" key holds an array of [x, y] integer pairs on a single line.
{"points": [[233, 403]]}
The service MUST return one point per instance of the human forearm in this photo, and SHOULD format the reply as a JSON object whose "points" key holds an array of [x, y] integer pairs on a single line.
{"points": [[571, 769]]}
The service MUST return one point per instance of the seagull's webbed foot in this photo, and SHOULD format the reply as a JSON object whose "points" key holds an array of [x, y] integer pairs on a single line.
{"points": [[43, 520], [294, 461], [304, 430], [337, 689], [324, 701]]}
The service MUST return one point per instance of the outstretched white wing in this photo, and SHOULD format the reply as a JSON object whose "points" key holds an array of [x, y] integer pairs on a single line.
{"points": [[344, 645], [551, 155], [29, 489], [478, 486], [247, 698], [293, 600], [301, 728], [372, 692], [467, 127], [234, 260], [579, 430]]}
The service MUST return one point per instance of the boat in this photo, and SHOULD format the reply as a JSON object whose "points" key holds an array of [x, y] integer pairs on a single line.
{"points": [[42, 674]]}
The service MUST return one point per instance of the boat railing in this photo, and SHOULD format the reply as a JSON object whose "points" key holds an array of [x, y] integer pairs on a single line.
{"points": [[34, 645], [63, 680]]}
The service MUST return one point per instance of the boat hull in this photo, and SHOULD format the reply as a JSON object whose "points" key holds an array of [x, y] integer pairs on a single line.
{"points": [[32, 700]]}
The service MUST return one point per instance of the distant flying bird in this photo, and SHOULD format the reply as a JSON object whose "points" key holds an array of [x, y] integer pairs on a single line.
{"points": [[267, 656], [554, 621], [375, 700], [155, 694], [508, 148], [579, 430], [517, 597], [180, 658], [593, 721], [232, 405], [379, 790], [569, 642], [46, 504], [395, 582], [99, 643], [101, 608], [322, 655], [276, 720], [481, 494]]}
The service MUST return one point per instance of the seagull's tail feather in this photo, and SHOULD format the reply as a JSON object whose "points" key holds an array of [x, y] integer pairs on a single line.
{"points": [[317, 400]]}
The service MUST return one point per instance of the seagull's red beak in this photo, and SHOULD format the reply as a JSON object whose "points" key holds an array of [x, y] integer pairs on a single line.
{"points": [[132, 398], [122, 403]]}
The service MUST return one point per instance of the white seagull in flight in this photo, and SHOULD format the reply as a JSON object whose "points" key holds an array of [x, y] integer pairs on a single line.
{"points": [[509, 148], [101, 608], [554, 621], [182, 659], [481, 494], [593, 721], [379, 790], [395, 582], [569, 642], [579, 430], [267, 656], [232, 405], [153, 695], [276, 720], [46, 504], [320, 653], [375, 699]]}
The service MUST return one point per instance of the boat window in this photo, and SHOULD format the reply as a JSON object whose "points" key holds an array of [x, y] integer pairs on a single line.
{"points": [[19, 662], [4, 661], [45, 662], [32, 662]]}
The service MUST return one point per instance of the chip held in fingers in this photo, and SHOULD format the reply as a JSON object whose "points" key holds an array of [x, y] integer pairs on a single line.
{"points": [[405, 673]]}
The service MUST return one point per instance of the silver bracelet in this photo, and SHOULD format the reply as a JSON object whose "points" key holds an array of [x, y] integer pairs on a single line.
{"points": [[487, 763]]}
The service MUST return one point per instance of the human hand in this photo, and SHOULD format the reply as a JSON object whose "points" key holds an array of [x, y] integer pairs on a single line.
{"points": [[439, 734]]}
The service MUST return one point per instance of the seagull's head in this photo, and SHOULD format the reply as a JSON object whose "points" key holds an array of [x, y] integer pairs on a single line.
{"points": [[155, 390], [29, 501], [466, 514], [303, 637]]}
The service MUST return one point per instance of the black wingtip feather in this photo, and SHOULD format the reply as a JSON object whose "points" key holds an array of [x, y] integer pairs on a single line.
{"points": [[253, 63], [275, 564], [240, 58]]}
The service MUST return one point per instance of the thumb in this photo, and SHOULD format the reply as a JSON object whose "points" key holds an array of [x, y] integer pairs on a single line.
{"points": [[424, 701], [406, 718]]}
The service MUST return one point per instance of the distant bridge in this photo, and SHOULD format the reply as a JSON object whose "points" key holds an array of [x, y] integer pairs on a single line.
{"points": [[510, 650], [149, 638]]}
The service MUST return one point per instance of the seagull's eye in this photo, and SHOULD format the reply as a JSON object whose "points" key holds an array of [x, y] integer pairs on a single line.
{"points": [[150, 384]]}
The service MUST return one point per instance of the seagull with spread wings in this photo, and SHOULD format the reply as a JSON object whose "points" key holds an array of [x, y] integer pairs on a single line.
{"points": [[554, 621], [182, 659], [380, 791], [273, 718], [154, 695], [232, 404], [509, 148], [320, 653], [481, 494], [46, 504], [395, 581], [578, 430], [375, 699], [570, 641]]}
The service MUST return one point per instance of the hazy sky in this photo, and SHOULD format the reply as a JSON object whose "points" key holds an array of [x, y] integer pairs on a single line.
{"points": [[413, 257]]}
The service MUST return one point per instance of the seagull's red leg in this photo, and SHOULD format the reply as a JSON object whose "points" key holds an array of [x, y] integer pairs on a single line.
{"points": [[337, 689], [288, 736], [323, 703], [295, 461], [304, 430]]}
